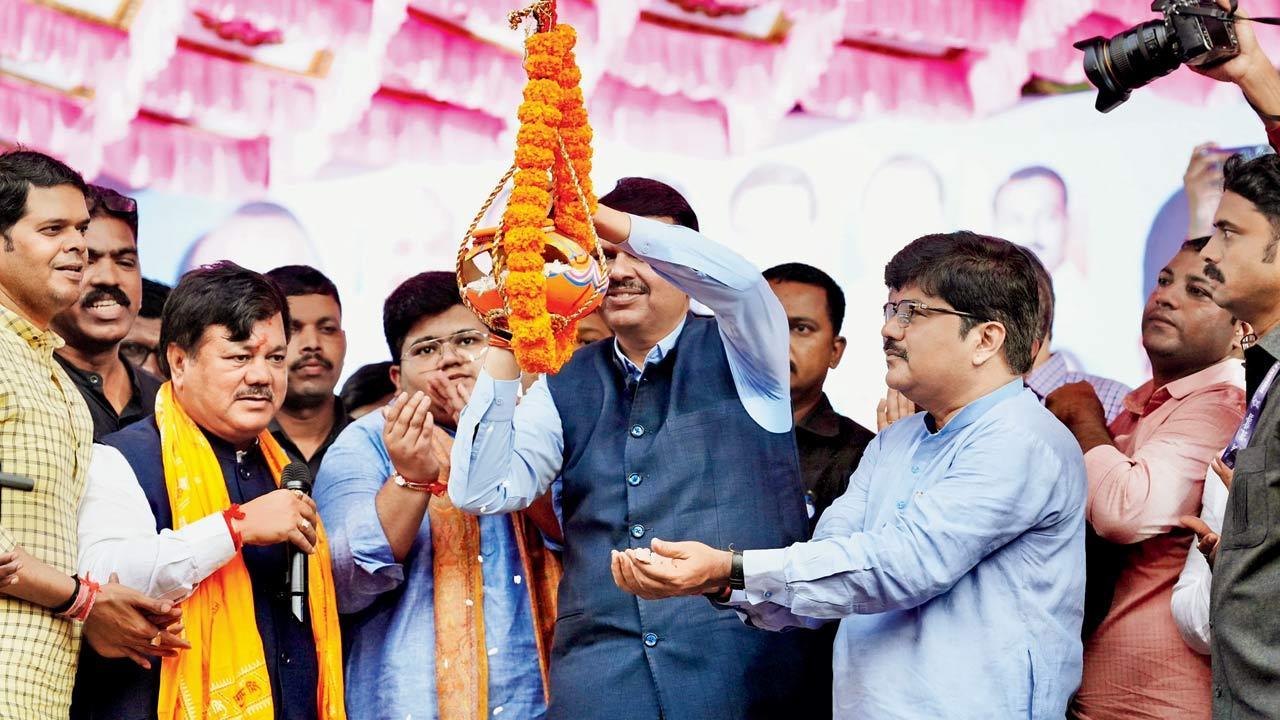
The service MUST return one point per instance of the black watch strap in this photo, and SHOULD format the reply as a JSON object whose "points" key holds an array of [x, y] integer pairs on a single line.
{"points": [[70, 601], [737, 580]]}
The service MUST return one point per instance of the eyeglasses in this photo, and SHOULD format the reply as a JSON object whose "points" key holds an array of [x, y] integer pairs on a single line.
{"points": [[114, 201], [469, 345], [136, 353], [116, 204], [905, 310]]}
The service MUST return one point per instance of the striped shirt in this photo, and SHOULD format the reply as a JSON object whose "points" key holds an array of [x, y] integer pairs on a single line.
{"points": [[46, 435]]}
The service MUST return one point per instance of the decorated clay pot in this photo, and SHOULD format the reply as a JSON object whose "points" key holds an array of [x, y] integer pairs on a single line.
{"points": [[576, 279]]}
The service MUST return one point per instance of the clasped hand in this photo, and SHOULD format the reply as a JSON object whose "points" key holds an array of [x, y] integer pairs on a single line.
{"points": [[671, 569], [126, 623]]}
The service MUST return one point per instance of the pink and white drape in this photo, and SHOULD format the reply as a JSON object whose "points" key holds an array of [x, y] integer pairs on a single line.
{"points": [[226, 96]]}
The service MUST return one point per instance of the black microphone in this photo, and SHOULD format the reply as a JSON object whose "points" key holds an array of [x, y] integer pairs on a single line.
{"points": [[297, 476]]}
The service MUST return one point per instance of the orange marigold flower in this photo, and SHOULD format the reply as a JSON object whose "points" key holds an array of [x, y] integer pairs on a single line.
{"points": [[527, 239], [537, 134], [535, 196], [525, 262], [538, 112], [520, 214], [543, 90], [552, 113], [534, 157]]}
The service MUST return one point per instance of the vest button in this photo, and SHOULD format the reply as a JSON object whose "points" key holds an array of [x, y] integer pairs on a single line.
{"points": [[637, 531], [650, 639], [637, 431], [634, 479]]}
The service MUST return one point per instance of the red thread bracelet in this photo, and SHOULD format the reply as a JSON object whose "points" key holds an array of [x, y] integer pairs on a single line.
{"points": [[229, 515], [91, 593]]}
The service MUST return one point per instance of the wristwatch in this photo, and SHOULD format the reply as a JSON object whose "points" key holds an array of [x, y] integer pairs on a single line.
{"points": [[737, 580]]}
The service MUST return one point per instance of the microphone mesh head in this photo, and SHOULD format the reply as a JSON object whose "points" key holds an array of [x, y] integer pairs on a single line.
{"points": [[296, 476]]}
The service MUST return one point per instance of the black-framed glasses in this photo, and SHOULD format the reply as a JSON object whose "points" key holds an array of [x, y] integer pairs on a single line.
{"points": [[136, 353], [905, 310], [470, 345]]}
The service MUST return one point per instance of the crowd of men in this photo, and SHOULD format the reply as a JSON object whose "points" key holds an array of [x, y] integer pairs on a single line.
{"points": [[623, 538]]}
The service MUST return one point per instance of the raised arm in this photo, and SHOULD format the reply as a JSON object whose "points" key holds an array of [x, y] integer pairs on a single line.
{"points": [[752, 321], [505, 456]]}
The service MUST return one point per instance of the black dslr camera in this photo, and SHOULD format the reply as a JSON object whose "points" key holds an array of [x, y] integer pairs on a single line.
{"points": [[1193, 32]]}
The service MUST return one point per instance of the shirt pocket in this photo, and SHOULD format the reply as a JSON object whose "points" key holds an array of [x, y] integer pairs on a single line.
{"points": [[1245, 523]]}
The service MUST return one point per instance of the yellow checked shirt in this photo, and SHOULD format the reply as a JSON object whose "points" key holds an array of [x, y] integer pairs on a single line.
{"points": [[46, 434]]}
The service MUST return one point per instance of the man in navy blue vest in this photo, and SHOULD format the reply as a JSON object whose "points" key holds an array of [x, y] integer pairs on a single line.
{"points": [[678, 426], [224, 335]]}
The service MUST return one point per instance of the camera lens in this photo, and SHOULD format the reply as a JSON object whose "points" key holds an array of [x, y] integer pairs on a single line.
{"points": [[1129, 60]]}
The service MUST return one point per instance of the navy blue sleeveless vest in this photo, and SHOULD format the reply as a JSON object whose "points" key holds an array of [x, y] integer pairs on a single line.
{"points": [[109, 689], [675, 457]]}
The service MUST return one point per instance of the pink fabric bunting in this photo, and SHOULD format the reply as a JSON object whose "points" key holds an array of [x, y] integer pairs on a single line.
{"points": [[175, 157], [401, 128]]}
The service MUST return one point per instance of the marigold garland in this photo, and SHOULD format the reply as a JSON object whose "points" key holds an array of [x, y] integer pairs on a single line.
{"points": [[553, 147]]}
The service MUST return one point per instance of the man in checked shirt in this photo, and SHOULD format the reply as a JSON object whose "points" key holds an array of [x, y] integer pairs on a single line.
{"points": [[45, 439]]}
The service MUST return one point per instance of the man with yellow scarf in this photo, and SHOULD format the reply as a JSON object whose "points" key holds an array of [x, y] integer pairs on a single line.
{"points": [[186, 505]]}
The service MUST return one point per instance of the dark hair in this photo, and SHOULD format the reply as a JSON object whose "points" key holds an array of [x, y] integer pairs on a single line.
{"points": [[153, 296], [650, 198], [984, 276], [1046, 300], [21, 170], [222, 293], [296, 280], [369, 384], [810, 275], [1258, 181], [1037, 171], [1195, 244], [105, 202], [424, 295]]}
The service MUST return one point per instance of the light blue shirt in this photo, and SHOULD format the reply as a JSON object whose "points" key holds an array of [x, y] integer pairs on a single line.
{"points": [[506, 456], [389, 607], [955, 562]]}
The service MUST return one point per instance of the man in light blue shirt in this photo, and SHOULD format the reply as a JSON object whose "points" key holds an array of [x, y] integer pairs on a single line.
{"points": [[955, 561], [648, 434], [373, 492]]}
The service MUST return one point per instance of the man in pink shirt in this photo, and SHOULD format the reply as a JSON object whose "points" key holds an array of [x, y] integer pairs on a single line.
{"points": [[1146, 469]]}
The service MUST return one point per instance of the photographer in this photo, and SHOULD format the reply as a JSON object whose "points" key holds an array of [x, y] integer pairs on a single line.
{"points": [[1253, 71], [1240, 258]]}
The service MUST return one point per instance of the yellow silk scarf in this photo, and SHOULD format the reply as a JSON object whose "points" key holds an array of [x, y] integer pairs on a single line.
{"points": [[224, 674], [462, 661]]}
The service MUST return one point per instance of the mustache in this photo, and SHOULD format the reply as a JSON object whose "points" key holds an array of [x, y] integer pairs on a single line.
{"points": [[1212, 272], [893, 348], [630, 285], [105, 292], [312, 357], [256, 392]]}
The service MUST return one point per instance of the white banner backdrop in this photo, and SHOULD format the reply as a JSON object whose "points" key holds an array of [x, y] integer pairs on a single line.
{"points": [[839, 196]]}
